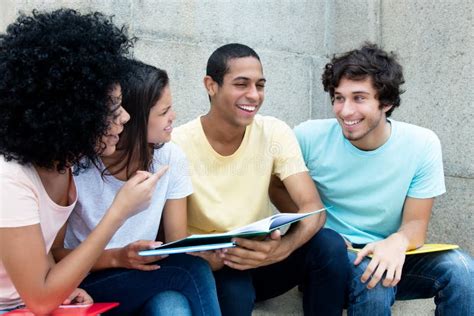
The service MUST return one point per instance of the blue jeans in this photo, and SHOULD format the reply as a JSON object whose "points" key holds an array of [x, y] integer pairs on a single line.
{"points": [[320, 267], [167, 303], [136, 290], [447, 276]]}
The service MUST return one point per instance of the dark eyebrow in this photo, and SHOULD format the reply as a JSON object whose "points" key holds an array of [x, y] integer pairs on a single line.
{"points": [[166, 108], [354, 92], [246, 79]]}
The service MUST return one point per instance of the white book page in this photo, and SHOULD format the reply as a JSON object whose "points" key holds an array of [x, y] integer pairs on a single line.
{"points": [[282, 219], [272, 222], [258, 226]]}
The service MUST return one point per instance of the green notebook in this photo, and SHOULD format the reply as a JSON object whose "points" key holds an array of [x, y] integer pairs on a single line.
{"points": [[205, 242]]}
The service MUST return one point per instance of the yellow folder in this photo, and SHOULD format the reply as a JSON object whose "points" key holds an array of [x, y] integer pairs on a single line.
{"points": [[432, 248], [423, 249]]}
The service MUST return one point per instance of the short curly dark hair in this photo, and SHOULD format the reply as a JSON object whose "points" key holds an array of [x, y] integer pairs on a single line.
{"points": [[368, 61], [57, 69]]}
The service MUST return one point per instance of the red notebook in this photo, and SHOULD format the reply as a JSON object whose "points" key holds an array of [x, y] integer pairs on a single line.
{"points": [[69, 310]]}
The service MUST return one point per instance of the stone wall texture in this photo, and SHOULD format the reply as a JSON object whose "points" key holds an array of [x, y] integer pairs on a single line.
{"points": [[295, 38]]}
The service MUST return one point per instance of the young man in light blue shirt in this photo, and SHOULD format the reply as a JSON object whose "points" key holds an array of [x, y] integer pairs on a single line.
{"points": [[381, 177]]}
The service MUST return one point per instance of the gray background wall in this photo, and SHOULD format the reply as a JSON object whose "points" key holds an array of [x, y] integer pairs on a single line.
{"points": [[434, 39]]}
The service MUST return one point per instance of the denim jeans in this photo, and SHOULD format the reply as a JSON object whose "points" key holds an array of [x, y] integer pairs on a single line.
{"points": [[447, 276], [320, 267], [136, 290], [162, 304], [167, 303]]}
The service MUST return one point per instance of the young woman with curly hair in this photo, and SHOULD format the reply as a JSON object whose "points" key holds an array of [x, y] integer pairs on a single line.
{"points": [[176, 285], [59, 104]]}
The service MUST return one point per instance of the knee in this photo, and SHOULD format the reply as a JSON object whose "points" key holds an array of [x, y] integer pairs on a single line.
{"points": [[327, 256], [240, 290], [459, 268], [236, 296], [235, 286], [379, 298], [167, 303], [328, 238], [327, 245]]}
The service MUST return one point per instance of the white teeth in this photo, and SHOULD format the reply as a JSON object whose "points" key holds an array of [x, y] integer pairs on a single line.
{"points": [[248, 108], [351, 122]]}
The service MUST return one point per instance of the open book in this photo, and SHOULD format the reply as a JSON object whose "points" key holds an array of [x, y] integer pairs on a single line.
{"points": [[70, 310], [423, 249], [205, 242]]}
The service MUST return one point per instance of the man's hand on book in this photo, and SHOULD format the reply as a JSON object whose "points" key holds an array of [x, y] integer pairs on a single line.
{"points": [[388, 257], [127, 257], [251, 254]]}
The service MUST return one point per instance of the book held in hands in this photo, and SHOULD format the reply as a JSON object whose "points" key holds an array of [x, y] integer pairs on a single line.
{"points": [[206, 242]]}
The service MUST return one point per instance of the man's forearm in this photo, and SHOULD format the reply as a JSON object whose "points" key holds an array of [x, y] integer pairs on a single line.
{"points": [[416, 217], [413, 233]]}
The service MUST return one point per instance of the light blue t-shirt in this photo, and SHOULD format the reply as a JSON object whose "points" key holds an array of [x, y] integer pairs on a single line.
{"points": [[367, 189], [96, 195]]}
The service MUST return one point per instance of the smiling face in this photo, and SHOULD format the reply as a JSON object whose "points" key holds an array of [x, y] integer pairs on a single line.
{"points": [[359, 114], [241, 94], [161, 118], [119, 118]]}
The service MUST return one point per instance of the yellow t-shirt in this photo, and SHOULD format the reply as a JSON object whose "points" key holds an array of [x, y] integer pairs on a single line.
{"points": [[232, 191]]}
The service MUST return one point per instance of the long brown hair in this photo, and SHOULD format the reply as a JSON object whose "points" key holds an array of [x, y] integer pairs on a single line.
{"points": [[142, 87]]}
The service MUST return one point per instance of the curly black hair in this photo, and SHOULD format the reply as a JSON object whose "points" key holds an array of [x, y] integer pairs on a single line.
{"points": [[57, 69], [368, 61]]}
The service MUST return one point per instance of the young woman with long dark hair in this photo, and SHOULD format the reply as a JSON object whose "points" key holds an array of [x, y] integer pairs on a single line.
{"points": [[178, 284]]}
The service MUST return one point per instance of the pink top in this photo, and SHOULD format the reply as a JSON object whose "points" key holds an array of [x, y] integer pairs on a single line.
{"points": [[23, 202]]}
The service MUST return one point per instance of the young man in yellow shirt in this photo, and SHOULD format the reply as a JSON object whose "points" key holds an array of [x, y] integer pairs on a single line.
{"points": [[233, 154]]}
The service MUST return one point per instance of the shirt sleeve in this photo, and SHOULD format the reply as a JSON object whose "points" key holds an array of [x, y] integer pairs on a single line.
{"points": [[180, 184], [19, 205], [287, 153], [428, 181]]}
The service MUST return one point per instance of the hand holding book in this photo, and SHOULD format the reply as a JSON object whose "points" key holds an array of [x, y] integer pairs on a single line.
{"points": [[206, 242]]}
